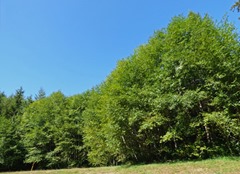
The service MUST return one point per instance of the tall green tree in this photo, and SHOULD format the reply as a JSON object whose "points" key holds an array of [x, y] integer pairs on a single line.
{"points": [[41, 94], [171, 99], [14, 104], [69, 149], [12, 151], [52, 132]]}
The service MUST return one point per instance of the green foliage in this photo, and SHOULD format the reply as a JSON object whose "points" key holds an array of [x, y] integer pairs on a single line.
{"points": [[52, 132], [11, 149], [41, 94], [175, 98]]}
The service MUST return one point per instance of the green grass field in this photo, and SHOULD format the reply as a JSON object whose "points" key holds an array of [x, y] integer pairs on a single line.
{"points": [[214, 166]]}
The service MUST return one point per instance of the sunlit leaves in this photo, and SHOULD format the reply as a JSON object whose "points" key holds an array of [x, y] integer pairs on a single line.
{"points": [[154, 105]]}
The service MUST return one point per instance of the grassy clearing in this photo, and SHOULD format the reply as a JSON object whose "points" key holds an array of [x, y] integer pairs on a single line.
{"points": [[214, 166]]}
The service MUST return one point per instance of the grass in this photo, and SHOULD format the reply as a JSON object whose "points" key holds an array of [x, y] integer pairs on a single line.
{"points": [[213, 166]]}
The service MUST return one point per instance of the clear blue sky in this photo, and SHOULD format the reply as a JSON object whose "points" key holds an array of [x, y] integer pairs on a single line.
{"points": [[73, 45]]}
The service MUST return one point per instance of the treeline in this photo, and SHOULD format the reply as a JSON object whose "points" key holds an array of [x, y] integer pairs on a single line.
{"points": [[176, 98]]}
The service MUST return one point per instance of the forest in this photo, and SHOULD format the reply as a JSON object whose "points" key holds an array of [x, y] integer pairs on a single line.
{"points": [[176, 97]]}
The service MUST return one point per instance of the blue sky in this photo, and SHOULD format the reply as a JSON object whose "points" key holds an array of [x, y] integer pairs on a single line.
{"points": [[73, 45]]}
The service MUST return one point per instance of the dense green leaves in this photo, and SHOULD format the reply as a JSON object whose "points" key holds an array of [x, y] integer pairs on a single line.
{"points": [[161, 102], [52, 132], [176, 98], [12, 151]]}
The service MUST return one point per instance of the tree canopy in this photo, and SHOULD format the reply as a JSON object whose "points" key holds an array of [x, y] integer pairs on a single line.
{"points": [[175, 98], [172, 99]]}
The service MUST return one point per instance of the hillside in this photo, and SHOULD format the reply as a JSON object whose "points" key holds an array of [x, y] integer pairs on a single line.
{"points": [[220, 166]]}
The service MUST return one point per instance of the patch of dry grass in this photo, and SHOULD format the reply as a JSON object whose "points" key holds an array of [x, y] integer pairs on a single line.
{"points": [[215, 166]]}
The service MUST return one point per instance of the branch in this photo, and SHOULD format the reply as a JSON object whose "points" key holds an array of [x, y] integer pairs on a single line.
{"points": [[236, 6]]}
